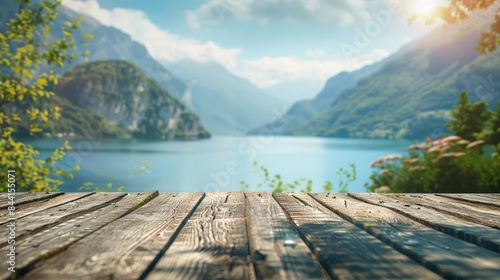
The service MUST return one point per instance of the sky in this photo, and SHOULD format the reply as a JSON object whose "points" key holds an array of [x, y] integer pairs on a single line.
{"points": [[269, 42]]}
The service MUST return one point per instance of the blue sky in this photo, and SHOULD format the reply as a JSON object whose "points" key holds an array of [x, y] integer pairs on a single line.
{"points": [[269, 42]]}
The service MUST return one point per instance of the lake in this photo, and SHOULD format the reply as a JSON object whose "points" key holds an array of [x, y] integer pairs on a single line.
{"points": [[219, 163]]}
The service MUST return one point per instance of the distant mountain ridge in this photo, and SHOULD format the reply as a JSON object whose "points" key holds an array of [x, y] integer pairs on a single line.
{"points": [[228, 104]]}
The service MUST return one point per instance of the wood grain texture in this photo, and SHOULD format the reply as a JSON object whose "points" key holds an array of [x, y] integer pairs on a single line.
{"points": [[40, 205], [345, 250], [474, 198], [23, 198], [55, 240], [18, 194], [131, 242], [495, 196], [487, 218], [213, 244], [480, 235], [461, 203], [447, 256], [39, 221], [269, 229]]}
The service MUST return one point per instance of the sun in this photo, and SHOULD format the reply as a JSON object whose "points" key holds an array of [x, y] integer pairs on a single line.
{"points": [[426, 8]]}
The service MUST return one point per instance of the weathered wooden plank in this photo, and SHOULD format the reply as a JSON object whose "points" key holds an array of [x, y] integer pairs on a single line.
{"points": [[39, 221], [487, 218], [55, 240], [4, 195], [494, 196], [40, 205], [466, 204], [269, 230], [473, 198], [213, 244], [446, 255], [27, 198], [483, 236], [461, 203], [132, 242], [343, 249]]}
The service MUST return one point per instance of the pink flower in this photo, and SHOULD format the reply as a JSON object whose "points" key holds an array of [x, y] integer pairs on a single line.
{"points": [[474, 144], [451, 138], [422, 147], [447, 155], [386, 158], [410, 161]]}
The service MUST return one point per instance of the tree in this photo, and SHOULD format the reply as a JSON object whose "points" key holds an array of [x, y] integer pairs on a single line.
{"points": [[24, 47], [458, 10], [492, 135], [467, 119]]}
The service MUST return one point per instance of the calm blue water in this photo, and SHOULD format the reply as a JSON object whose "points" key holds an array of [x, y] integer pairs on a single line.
{"points": [[218, 164]]}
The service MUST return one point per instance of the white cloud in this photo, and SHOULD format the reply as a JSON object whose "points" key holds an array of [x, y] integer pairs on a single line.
{"points": [[159, 42], [263, 72], [315, 53], [339, 12], [269, 71]]}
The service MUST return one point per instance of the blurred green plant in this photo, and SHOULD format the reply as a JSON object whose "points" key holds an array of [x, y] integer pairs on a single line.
{"points": [[276, 184], [24, 47], [87, 186], [465, 162], [142, 169]]}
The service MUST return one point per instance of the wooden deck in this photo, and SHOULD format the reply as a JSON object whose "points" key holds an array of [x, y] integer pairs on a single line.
{"points": [[253, 235]]}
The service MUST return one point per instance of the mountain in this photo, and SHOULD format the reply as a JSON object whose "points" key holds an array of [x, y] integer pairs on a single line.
{"points": [[292, 91], [412, 93], [303, 111], [128, 100], [108, 44], [226, 103]]}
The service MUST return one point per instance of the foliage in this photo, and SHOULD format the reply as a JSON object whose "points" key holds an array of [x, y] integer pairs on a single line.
{"points": [[458, 10], [142, 169], [467, 119], [458, 163], [277, 185], [87, 186], [492, 134], [23, 49]]}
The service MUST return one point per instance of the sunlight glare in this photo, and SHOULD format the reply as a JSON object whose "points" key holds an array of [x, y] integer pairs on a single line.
{"points": [[425, 8]]}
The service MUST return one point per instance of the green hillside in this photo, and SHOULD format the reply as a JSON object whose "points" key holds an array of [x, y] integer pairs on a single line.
{"points": [[411, 95]]}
